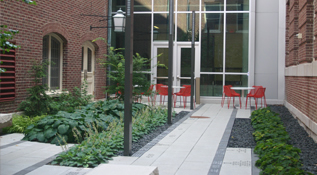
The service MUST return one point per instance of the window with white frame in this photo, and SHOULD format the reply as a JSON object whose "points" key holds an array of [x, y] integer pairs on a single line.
{"points": [[53, 54]]}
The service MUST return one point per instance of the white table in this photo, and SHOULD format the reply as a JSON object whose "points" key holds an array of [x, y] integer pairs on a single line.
{"points": [[242, 92]]}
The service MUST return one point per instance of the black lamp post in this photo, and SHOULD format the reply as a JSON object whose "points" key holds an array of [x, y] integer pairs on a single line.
{"points": [[128, 79]]}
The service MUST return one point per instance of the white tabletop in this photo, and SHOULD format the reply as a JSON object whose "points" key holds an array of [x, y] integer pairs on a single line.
{"points": [[242, 88], [174, 87]]}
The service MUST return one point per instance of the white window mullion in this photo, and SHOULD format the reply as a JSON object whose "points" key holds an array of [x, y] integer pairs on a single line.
{"points": [[224, 42]]}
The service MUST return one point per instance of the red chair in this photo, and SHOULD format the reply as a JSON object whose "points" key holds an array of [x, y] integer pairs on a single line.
{"points": [[259, 93], [251, 94], [227, 91], [162, 91], [157, 90], [180, 93], [187, 93]]}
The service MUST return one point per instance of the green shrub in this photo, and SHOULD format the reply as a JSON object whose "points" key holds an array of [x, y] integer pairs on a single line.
{"points": [[100, 147], [58, 128], [275, 155], [20, 123]]}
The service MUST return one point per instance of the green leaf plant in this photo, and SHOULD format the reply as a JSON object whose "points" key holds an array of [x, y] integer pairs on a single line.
{"points": [[275, 155], [114, 64]]}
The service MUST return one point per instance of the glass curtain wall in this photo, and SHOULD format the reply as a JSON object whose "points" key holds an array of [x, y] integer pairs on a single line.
{"points": [[221, 29]]}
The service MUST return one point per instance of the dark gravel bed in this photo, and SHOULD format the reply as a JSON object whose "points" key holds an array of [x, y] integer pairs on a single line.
{"points": [[241, 136], [299, 139], [157, 131]]}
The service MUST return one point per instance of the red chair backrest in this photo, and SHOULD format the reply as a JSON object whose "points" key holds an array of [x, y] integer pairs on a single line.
{"points": [[226, 90], [259, 92], [163, 90], [252, 91], [187, 90], [158, 87]]}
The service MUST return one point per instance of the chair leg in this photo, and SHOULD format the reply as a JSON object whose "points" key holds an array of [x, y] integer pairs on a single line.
{"points": [[256, 103], [223, 99], [240, 101], [229, 102], [246, 103]]}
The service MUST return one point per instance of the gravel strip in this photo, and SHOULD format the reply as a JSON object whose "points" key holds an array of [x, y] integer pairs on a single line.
{"points": [[149, 137], [241, 136]]}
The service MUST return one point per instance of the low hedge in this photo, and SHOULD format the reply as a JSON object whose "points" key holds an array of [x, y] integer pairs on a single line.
{"points": [[275, 155]]}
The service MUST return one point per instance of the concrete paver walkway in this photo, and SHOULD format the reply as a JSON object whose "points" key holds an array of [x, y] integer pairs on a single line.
{"points": [[196, 146]]}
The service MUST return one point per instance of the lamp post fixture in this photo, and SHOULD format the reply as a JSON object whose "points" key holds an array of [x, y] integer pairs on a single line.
{"points": [[119, 21]]}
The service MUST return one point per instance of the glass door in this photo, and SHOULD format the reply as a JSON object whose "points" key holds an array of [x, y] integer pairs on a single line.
{"points": [[159, 73], [183, 63]]}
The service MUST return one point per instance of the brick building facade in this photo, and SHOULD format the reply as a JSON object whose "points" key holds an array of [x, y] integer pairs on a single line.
{"points": [[300, 62], [59, 22]]}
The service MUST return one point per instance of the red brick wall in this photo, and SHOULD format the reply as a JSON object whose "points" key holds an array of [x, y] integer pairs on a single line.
{"points": [[301, 91], [63, 18]]}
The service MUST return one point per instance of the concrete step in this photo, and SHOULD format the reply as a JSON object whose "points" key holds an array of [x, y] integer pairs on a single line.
{"points": [[112, 169]]}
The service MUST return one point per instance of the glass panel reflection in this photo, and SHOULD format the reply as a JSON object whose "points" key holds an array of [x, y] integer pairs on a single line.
{"points": [[212, 43], [185, 65], [237, 5], [142, 35], [211, 85], [161, 27], [212, 5], [237, 42], [237, 81], [189, 5], [161, 5], [184, 27], [162, 71], [117, 4], [142, 5]]}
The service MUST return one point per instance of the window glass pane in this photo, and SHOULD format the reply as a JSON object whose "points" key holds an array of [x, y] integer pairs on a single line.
{"points": [[212, 42], [117, 4], [189, 5], [211, 85], [237, 5], [184, 27], [82, 59], [237, 42], [142, 36], [162, 71], [161, 27], [55, 63], [212, 5], [161, 5], [89, 65], [142, 5], [237, 81], [45, 58], [185, 68]]}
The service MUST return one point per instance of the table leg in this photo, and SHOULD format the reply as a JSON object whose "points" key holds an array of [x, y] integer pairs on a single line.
{"points": [[242, 98]]}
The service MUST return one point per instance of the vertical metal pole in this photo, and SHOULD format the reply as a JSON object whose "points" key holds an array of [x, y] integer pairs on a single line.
{"points": [[170, 61], [193, 63], [128, 79]]}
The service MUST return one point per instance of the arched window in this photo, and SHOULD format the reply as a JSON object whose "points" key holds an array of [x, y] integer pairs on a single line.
{"points": [[53, 54]]}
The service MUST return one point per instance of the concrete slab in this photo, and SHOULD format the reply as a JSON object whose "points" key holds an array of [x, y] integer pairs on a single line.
{"points": [[237, 161], [123, 160], [243, 113], [111, 169], [10, 138]]}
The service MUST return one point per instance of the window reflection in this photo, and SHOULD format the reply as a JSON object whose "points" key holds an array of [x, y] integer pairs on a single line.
{"points": [[184, 27], [188, 5], [237, 5], [161, 26], [212, 43], [212, 5], [211, 85], [237, 42], [142, 5]]}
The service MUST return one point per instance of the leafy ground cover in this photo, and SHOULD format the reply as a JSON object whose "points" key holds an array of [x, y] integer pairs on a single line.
{"points": [[99, 147], [276, 156], [60, 128]]}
